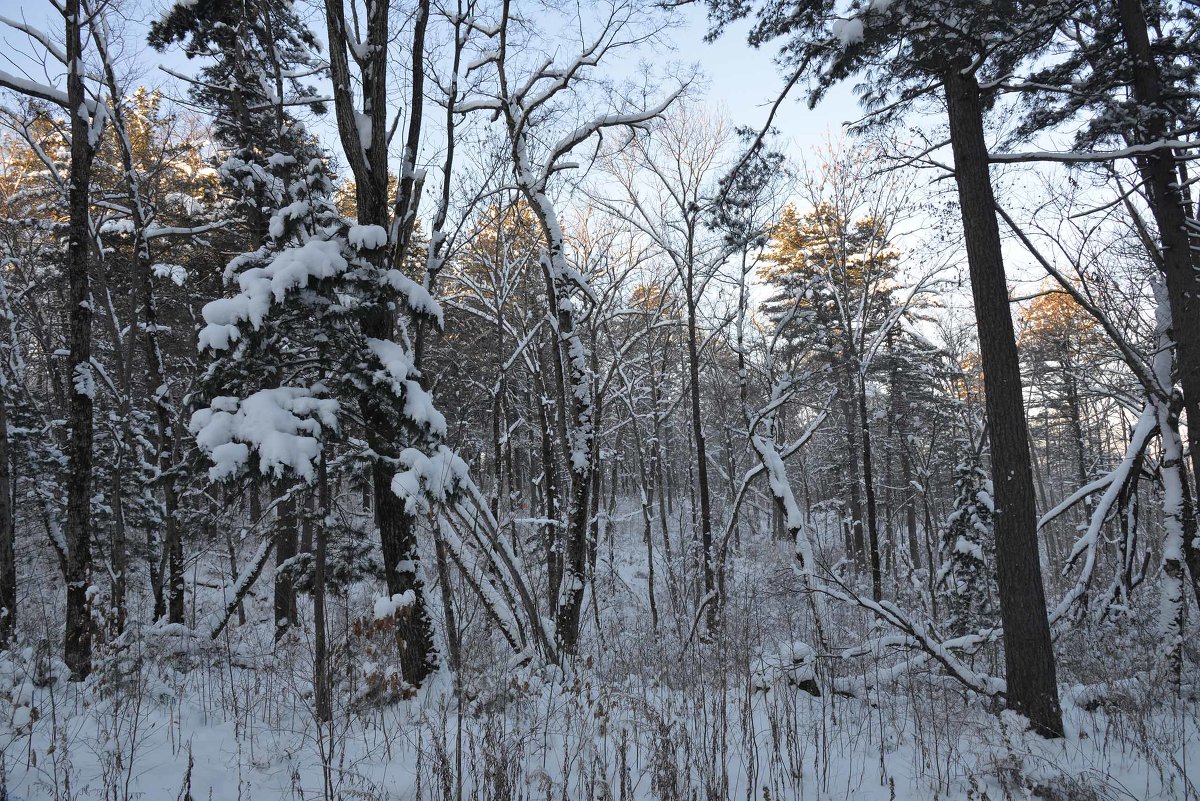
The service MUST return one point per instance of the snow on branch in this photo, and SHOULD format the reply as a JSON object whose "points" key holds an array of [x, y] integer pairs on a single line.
{"points": [[283, 427], [1083, 157], [917, 635], [1087, 543], [261, 286]]}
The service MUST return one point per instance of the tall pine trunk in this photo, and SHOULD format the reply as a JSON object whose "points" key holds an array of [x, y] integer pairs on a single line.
{"points": [[1028, 650], [77, 648]]}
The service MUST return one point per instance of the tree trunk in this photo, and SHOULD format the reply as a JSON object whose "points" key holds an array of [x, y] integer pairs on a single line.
{"points": [[869, 492], [1028, 650], [712, 616], [285, 551], [8, 564], [77, 650], [369, 163], [321, 684], [858, 547], [1168, 204]]}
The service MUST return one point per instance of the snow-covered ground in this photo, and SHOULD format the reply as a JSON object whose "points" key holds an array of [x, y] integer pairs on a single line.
{"points": [[645, 713]]}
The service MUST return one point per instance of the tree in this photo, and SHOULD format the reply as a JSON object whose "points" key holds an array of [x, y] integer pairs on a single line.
{"points": [[86, 112], [907, 51], [365, 130], [537, 156], [835, 272], [966, 577], [670, 179], [1134, 74]]}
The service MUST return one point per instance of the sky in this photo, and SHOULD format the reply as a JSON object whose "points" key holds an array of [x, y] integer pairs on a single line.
{"points": [[744, 81], [741, 80]]}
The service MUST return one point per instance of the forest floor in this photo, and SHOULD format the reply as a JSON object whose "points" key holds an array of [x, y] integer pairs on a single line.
{"points": [[653, 713]]}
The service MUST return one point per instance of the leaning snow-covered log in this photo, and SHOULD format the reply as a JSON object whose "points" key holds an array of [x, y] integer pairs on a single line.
{"points": [[918, 642]]}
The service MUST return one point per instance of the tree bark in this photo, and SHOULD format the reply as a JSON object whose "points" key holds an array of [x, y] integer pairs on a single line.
{"points": [[8, 564], [369, 164], [1028, 650], [858, 546], [77, 647], [321, 683], [869, 492], [712, 612], [285, 551]]}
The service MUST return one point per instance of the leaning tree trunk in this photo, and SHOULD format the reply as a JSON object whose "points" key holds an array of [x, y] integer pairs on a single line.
{"points": [[1028, 650], [77, 646]]}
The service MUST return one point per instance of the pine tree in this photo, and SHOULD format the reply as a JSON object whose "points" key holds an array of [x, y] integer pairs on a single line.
{"points": [[255, 49], [834, 279], [905, 50], [966, 579]]}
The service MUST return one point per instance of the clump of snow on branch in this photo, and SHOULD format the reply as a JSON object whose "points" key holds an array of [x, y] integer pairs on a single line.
{"points": [[428, 477], [282, 427], [262, 286]]}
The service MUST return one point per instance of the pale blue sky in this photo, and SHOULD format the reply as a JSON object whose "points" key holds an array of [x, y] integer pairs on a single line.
{"points": [[741, 81], [745, 81]]}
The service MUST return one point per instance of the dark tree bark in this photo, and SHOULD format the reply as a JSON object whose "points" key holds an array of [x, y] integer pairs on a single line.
{"points": [[712, 613], [321, 685], [77, 650], [285, 552], [1028, 650], [846, 395], [869, 493]]}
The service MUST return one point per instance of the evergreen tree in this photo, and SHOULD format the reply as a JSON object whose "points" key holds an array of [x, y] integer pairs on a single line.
{"points": [[256, 49], [966, 579]]}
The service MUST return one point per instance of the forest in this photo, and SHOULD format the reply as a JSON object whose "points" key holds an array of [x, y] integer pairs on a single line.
{"points": [[510, 400]]}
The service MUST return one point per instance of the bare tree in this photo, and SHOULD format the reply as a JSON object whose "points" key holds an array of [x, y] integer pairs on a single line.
{"points": [[522, 97]]}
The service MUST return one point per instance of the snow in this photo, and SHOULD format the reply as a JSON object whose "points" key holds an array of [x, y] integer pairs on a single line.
{"points": [[428, 478], [83, 378], [297, 210], [367, 237], [395, 360], [177, 273], [282, 427], [847, 31], [386, 607], [364, 124], [416, 296], [964, 546], [316, 259]]}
